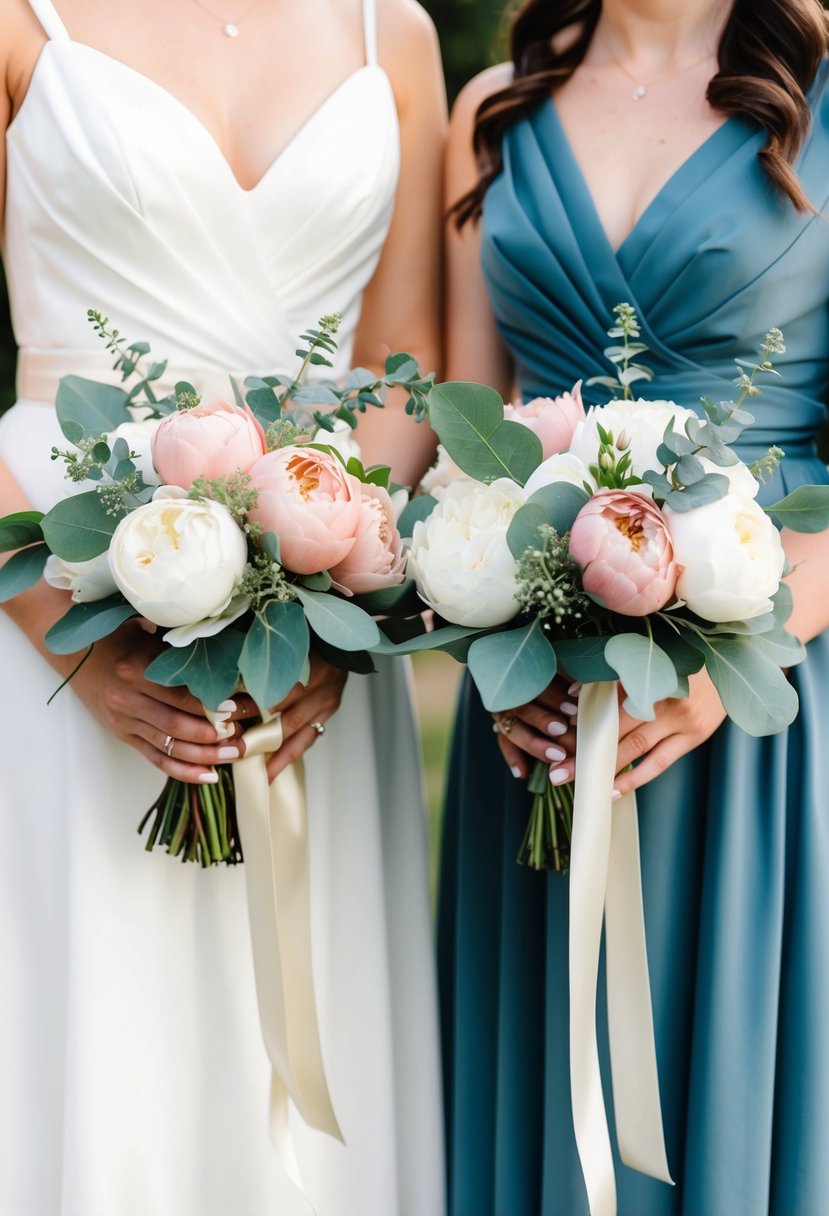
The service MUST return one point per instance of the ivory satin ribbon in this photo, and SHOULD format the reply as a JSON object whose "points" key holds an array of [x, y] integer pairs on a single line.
{"points": [[606, 883], [273, 825]]}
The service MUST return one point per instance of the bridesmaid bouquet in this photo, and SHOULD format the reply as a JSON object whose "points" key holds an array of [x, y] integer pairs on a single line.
{"points": [[245, 529], [624, 543]]}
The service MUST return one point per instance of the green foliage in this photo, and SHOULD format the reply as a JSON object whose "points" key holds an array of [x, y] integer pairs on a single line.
{"points": [[274, 654], [208, 667], [79, 528], [339, 622], [469, 421], [22, 571], [513, 667], [84, 624]]}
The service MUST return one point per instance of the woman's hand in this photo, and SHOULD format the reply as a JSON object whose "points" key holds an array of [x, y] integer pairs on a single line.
{"points": [[680, 725], [305, 708], [543, 730], [166, 725]]}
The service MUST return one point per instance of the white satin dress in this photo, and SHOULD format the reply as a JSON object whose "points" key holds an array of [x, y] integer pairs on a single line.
{"points": [[133, 1079]]}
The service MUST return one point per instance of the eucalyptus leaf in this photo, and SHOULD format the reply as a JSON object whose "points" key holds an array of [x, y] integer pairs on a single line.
{"points": [[79, 528], [22, 571], [357, 661], [315, 394], [96, 408], [19, 529], [711, 488], [338, 621], [522, 533], [780, 647], [753, 689], [274, 652], [689, 470], [265, 405], [317, 582], [685, 658], [583, 659], [209, 667], [512, 667], [415, 509], [469, 421], [561, 503], [84, 624], [645, 670], [436, 639], [400, 600], [806, 509]]}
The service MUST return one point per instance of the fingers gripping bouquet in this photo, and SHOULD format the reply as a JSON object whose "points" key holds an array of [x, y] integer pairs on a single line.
{"points": [[630, 548], [241, 529]]}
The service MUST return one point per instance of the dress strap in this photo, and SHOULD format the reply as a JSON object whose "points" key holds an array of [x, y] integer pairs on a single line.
{"points": [[50, 19], [370, 30]]}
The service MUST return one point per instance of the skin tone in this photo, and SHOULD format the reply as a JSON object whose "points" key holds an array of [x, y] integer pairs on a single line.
{"points": [[238, 89], [627, 151]]}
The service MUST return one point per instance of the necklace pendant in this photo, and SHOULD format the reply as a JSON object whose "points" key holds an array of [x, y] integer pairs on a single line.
{"points": [[639, 92], [230, 30]]}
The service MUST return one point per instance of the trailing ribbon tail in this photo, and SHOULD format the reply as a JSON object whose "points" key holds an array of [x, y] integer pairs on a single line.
{"points": [[273, 824], [606, 883]]}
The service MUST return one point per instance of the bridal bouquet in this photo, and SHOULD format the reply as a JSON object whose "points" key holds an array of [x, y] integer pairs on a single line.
{"points": [[624, 543], [243, 529]]}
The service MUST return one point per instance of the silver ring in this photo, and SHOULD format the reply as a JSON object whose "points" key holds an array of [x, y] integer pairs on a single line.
{"points": [[169, 744], [318, 727]]}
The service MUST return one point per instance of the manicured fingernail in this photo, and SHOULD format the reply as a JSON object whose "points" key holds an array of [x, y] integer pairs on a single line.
{"points": [[227, 707], [224, 730], [208, 778], [515, 770], [616, 795], [556, 753], [575, 688], [559, 775], [556, 728], [229, 753], [567, 707]]}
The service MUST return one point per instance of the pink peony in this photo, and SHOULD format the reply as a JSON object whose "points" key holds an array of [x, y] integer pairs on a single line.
{"points": [[377, 558], [311, 503], [553, 419], [623, 545], [212, 440]]}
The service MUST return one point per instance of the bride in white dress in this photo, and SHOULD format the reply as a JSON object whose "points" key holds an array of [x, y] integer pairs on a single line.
{"points": [[213, 194]]}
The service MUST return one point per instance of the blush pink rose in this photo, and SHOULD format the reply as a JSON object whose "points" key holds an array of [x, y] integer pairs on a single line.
{"points": [[212, 440], [624, 548], [311, 503], [377, 559], [553, 419]]}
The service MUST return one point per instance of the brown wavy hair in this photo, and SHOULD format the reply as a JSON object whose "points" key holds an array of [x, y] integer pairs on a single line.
{"points": [[769, 54]]}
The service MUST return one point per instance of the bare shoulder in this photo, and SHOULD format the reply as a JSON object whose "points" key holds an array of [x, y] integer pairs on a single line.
{"points": [[405, 28], [479, 88], [410, 53], [22, 39]]}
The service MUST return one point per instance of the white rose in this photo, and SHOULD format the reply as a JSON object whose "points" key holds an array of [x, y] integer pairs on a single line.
{"points": [[730, 556], [139, 437], [178, 560], [459, 556], [341, 438], [644, 423], [87, 581], [442, 474], [564, 466]]}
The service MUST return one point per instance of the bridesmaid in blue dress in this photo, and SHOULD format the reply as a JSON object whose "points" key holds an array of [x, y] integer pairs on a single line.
{"points": [[674, 155]]}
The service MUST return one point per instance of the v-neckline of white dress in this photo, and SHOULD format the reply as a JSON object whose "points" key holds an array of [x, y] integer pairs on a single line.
{"points": [[364, 71]]}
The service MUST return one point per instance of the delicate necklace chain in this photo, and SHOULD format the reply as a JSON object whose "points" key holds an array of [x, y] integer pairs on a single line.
{"points": [[230, 29], [640, 87]]}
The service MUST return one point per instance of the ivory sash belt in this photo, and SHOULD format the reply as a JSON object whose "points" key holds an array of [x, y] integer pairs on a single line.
{"points": [[606, 882]]}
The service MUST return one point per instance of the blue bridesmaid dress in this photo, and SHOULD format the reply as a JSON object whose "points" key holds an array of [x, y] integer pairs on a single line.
{"points": [[734, 837]]}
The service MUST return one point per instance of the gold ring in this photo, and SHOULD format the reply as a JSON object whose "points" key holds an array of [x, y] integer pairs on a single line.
{"points": [[169, 744], [503, 725], [318, 727]]}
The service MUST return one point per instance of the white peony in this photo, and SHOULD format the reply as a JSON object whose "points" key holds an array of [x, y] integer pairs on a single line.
{"points": [[444, 472], [178, 560], [139, 437], [730, 556], [742, 482], [644, 423], [459, 556], [87, 581], [564, 466]]}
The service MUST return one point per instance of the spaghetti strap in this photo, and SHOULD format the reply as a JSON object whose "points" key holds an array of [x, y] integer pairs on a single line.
{"points": [[50, 19], [370, 30]]}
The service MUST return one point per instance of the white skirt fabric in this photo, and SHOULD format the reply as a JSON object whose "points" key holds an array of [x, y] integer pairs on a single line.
{"points": [[132, 1073]]}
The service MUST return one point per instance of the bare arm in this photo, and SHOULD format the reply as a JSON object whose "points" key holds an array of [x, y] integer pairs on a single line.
{"points": [[401, 306]]}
